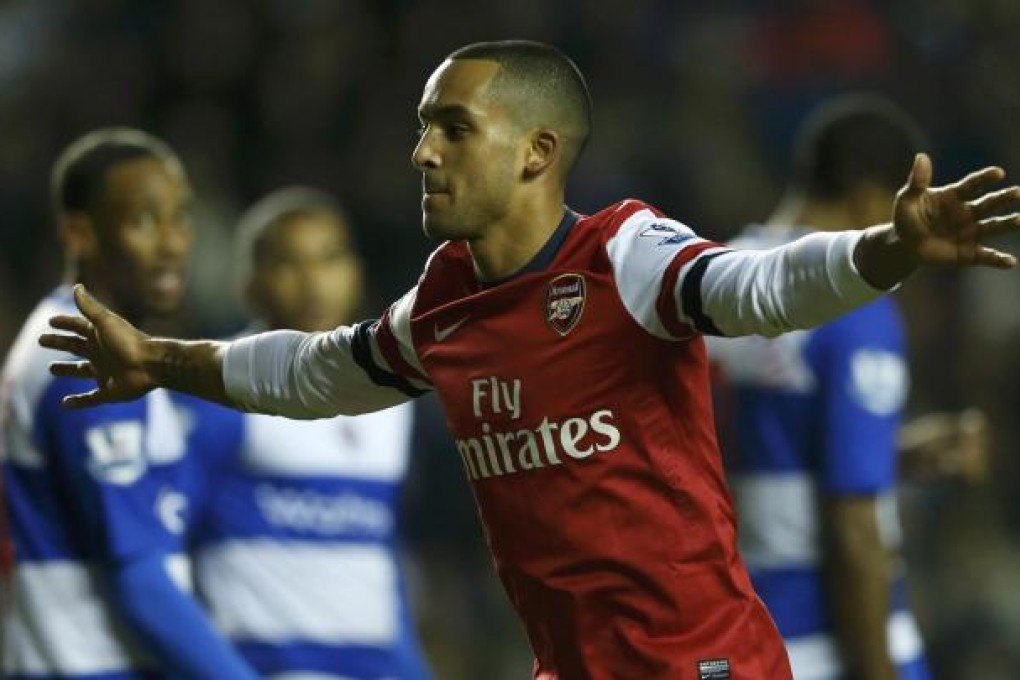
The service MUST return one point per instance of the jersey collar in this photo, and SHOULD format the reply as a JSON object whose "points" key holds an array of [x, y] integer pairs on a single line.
{"points": [[544, 257]]}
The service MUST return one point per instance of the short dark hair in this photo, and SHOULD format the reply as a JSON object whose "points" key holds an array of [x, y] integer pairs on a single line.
{"points": [[855, 139], [272, 211], [549, 81], [78, 177]]}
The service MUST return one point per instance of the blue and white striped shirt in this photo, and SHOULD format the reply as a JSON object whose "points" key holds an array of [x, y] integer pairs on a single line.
{"points": [[99, 502], [298, 555], [804, 416]]}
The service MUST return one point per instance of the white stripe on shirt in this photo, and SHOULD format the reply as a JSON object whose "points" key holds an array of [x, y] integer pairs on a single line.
{"points": [[274, 591], [778, 519], [298, 449], [59, 622]]}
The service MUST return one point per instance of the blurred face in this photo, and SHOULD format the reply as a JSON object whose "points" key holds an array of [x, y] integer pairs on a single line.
{"points": [[307, 277], [470, 153], [144, 234]]}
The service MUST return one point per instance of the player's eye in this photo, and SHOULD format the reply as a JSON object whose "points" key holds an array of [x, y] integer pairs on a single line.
{"points": [[144, 221], [456, 131]]}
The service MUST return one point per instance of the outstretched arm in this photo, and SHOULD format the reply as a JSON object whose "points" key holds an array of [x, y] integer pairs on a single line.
{"points": [[126, 363], [858, 572], [823, 275], [349, 370]]}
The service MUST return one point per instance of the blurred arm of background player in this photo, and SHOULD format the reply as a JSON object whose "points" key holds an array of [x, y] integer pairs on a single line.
{"points": [[859, 570], [849, 155], [942, 446]]}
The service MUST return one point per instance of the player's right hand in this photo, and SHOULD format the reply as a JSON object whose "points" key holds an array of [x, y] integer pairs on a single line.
{"points": [[946, 446], [113, 353]]}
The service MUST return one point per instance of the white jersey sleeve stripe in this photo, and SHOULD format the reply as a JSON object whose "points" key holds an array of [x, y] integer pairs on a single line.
{"points": [[641, 251], [768, 292], [400, 324], [409, 381], [391, 343], [370, 354]]}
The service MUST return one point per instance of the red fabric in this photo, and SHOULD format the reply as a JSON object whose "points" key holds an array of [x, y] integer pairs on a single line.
{"points": [[666, 304], [596, 472]]}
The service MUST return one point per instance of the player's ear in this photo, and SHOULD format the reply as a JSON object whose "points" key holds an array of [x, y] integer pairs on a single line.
{"points": [[77, 232], [543, 151]]}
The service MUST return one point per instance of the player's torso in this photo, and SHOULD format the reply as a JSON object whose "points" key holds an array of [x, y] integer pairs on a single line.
{"points": [[59, 620], [306, 522], [590, 448]]}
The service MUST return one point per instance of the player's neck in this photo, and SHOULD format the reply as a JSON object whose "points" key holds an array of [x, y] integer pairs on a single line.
{"points": [[798, 210], [508, 245]]}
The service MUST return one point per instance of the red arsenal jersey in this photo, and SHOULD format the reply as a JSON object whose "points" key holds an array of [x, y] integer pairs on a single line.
{"points": [[578, 394]]}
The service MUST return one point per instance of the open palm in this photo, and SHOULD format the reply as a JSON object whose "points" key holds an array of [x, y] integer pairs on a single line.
{"points": [[111, 349], [948, 225]]}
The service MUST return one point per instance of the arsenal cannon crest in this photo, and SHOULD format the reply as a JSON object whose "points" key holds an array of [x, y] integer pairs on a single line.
{"points": [[564, 302]]}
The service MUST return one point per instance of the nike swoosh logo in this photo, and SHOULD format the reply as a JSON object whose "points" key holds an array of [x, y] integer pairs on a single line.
{"points": [[443, 334]]}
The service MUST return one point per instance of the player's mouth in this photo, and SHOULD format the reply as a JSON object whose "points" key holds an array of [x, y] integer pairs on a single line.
{"points": [[430, 200], [168, 282], [432, 192]]}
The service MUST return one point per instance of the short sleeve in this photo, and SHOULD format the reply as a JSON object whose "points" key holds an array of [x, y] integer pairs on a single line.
{"points": [[861, 362], [653, 259]]}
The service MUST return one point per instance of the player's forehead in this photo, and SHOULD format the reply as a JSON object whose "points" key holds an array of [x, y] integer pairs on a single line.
{"points": [[145, 180], [458, 86], [304, 236], [310, 229]]}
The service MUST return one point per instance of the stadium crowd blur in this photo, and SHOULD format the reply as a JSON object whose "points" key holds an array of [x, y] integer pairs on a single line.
{"points": [[695, 108]]}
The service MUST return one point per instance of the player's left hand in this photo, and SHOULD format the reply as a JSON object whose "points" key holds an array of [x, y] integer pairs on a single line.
{"points": [[948, 225]]}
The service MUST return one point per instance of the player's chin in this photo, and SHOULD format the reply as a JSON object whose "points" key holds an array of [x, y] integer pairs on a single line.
{"points": [[442, 228], [435, 227]]}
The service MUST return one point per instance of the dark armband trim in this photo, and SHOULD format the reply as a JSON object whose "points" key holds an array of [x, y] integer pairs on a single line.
{"points": [[690, 296], [362, 353]]}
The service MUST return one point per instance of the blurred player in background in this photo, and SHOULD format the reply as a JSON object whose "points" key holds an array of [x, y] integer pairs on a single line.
{"points": [[298, 556], [98, 501], [567, 353], [810, 423]]}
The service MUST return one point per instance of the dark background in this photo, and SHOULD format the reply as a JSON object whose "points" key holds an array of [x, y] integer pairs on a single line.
{"points": [[695, 103]]}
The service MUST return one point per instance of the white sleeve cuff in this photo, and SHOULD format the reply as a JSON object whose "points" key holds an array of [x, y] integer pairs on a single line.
{"points": [[846, 279], [246, 379]]}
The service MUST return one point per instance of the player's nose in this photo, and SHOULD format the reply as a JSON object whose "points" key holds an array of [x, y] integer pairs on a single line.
{"points": [[425, 154]]}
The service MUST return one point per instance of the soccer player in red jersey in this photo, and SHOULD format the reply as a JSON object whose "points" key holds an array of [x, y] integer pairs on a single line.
{"points": [[567, 353]]}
